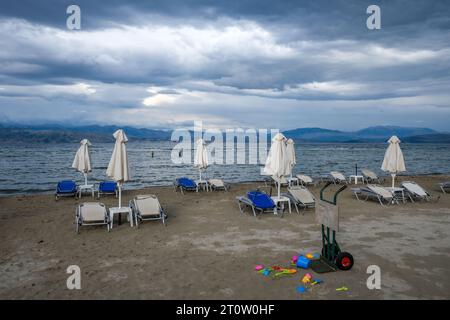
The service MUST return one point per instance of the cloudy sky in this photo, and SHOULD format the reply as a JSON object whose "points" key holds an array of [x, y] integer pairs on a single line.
{"points": [[260, 63]]}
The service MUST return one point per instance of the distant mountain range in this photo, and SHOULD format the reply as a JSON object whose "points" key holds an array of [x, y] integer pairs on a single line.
{"points": [[97, 133], [371, 134]]}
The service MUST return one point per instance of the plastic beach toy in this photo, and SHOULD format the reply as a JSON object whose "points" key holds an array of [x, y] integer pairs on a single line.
{"points": [[342, 289], [307, 278], [301, 289], [259, 267], [266, 272], [284, 272], [303, 262]]}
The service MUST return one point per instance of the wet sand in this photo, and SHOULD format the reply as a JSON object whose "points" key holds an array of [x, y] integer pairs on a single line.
{"points": [[208, 249]]}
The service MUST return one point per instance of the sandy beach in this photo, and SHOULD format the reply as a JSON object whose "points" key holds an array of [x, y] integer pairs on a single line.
{"points": [[208, 250]]}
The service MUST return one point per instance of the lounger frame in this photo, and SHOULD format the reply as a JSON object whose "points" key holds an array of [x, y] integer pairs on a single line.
{"points": [[138, 216], [182, 188], [100, 192], [243, 201], [59, 194], [337, 180], [80, 222], [444, 186], [225, 187], [297, 202], [415, 197], [369, 194]]}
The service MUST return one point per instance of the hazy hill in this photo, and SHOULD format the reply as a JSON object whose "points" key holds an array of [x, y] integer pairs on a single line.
{"points": [[97, 133]]}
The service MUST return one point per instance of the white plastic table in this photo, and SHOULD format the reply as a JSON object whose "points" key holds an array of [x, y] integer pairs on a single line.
{"points": [[398, 193], [292, 180], [203, 184], [84, 188], [356, 178], [117, 210], [281, 200]]}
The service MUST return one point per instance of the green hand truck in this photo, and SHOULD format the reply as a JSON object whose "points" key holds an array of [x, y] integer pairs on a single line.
{"points": [[332, 258]]}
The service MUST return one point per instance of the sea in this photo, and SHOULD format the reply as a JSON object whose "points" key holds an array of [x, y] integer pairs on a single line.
{"points": [[36, 168]]}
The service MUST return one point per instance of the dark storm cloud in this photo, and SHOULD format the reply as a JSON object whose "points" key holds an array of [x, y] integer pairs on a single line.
{"points": [[180, 53]]}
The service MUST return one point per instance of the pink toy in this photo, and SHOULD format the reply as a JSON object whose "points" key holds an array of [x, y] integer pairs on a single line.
{"points": [[294, 259], [259, 267]]}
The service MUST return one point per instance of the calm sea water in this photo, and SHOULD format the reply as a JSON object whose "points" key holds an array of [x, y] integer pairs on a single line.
{"points": [[37, 168]]}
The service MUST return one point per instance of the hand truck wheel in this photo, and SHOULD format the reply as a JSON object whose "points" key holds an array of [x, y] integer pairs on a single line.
{"points": [[344, 261]]}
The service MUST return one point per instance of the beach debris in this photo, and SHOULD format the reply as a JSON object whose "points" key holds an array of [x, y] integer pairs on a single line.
{"points": [[342, 289], [307, 278], [284, 272], [301, 289], [294, 260], [316, 281], [265, 271], [303, 262], [259, 267]]}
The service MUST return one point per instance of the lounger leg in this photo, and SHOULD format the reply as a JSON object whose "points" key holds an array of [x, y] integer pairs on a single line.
{"points": [[240, 208], [254, 212]]}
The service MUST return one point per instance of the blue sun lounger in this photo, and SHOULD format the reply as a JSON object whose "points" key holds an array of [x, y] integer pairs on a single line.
{"points": [[66, 188], [107, 187], [185, 184], [258, 201]]}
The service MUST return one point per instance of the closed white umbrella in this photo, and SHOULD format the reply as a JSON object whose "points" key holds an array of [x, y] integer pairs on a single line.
{"points": [[393, 159], [118, 168], [290, 150], [201, 157], [277, 162], [82, 161]]}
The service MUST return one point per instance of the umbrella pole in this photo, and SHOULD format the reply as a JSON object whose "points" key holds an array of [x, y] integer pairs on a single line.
{"points": [[85, 178], [120, 195], [393, 179], [279, 189]]}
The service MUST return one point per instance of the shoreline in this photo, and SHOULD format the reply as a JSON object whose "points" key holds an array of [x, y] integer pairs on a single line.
{"points": [[124, 188]]}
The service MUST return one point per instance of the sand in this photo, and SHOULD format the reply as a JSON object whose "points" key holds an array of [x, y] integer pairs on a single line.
{"points": [[208, 249]]}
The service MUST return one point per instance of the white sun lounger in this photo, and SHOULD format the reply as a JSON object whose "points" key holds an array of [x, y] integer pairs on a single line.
{"points": [[305, 180], [90, 214], [147, 208], [302, 197], [444, 186], [374, 191], [218, 184], [415, 191], [371, 176], [338, 178]]}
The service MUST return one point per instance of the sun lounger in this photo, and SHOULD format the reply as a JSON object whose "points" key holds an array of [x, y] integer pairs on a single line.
{"points": [[305, 180], [371, 176], [415, 191], [258, 201], [185, 184], [66, 188], [107, 187], [147, 208], [217, 184], [444, 186], [338, 178], [374, 191], [90, 214], [302, 197]]}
